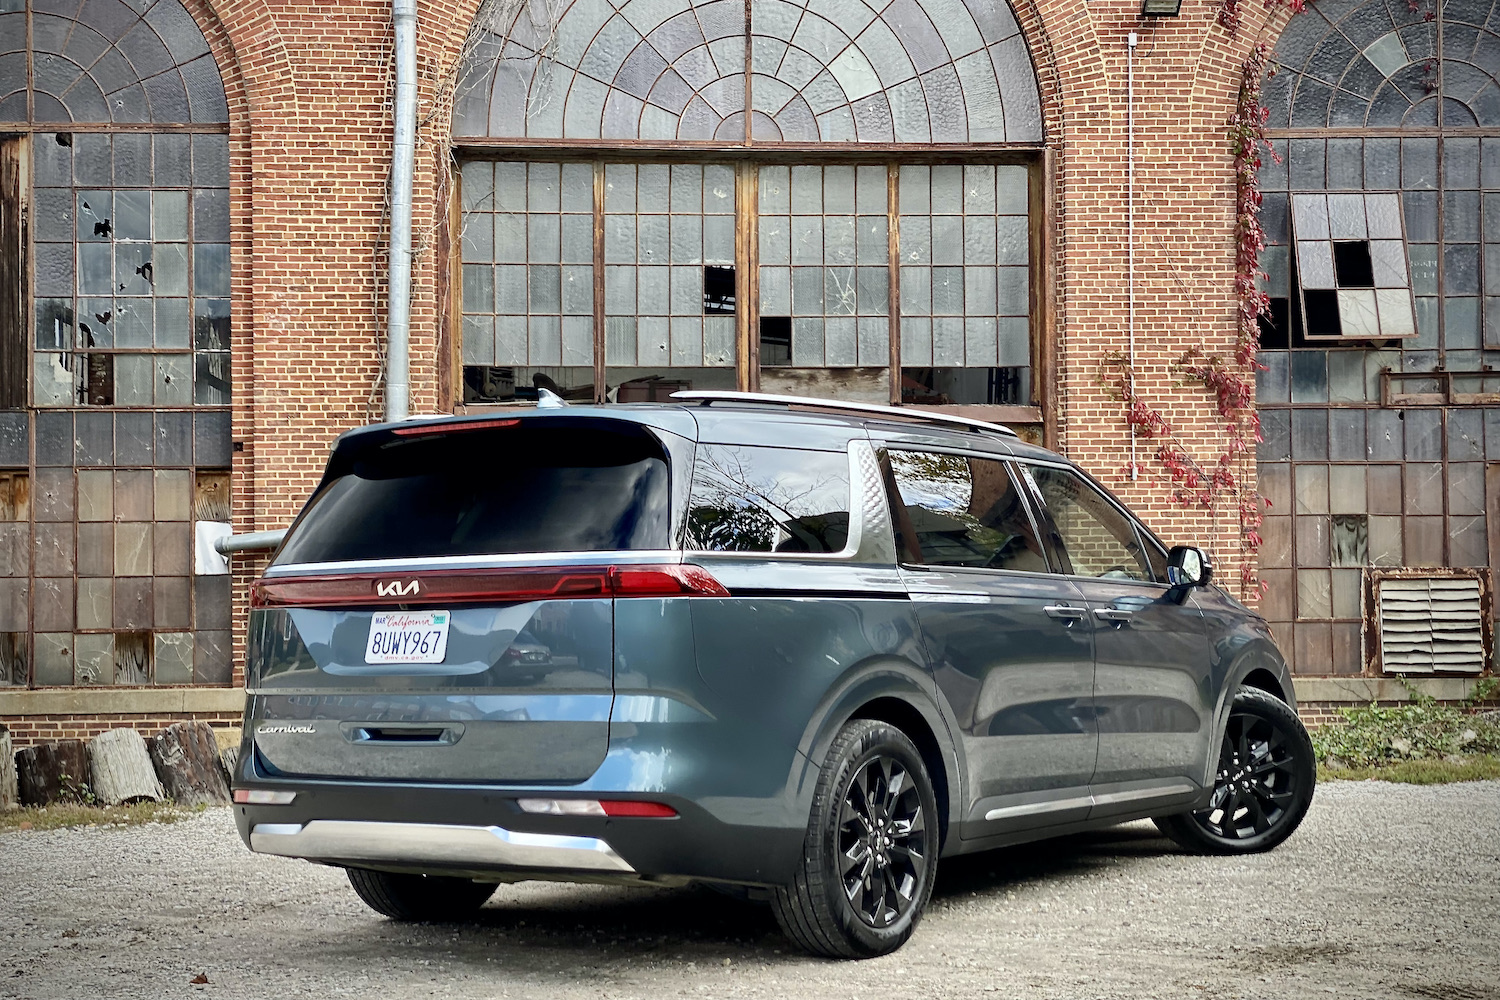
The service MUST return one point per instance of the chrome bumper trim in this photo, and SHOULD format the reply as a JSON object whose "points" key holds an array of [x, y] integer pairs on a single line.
{"points": [[432, 843]]}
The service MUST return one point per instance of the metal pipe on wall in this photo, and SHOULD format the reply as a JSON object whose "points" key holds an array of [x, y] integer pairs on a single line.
{"points": [[1130, 42], [403, 155]]}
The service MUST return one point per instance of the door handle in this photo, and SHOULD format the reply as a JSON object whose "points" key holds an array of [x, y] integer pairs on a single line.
{"points": [[1114, 615], [1065, 612]]}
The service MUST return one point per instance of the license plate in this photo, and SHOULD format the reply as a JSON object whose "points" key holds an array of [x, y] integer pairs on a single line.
{"points": [[408, 637]]}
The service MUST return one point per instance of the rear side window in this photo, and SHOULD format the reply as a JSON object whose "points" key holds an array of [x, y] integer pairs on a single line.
{"points": [[492, 492], [753, 499], [1098, 540], [956, 511]]}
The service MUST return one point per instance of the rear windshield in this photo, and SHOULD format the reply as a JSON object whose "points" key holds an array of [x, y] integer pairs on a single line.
{"points": [[490, 492]]}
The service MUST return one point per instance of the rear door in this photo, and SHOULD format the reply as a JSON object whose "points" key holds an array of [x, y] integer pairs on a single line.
{"points": [[1152, 693], [443, 608], [1008, 641]]}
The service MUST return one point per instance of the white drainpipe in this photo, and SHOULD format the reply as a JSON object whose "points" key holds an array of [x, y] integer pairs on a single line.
{"points": [[398, 311]]}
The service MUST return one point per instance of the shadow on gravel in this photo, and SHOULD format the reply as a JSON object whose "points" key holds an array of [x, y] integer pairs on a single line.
{"points": [[569, 930], [1010, 868]]}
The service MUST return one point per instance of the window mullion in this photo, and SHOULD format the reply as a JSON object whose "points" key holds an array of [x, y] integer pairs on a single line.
{"points": [[601, 386], [893, 263], [746, 282]]}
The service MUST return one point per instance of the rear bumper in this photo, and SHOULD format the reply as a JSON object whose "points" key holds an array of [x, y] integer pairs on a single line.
{"points": [[435, 844], [479, 828]]}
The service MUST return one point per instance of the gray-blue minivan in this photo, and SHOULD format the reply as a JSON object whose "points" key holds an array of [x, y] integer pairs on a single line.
{"points": [[796, 648]]}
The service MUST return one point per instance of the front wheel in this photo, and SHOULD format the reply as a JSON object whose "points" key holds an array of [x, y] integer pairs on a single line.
{"points": [[419, 897], [870, 855], [1263, 785]]}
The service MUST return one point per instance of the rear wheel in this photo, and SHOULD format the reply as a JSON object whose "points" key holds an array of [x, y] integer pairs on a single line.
{"points": [[419, 897], [870, 855], [1263, 785]]}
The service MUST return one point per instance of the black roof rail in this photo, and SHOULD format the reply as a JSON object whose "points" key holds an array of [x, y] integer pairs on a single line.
{"points": [[708, 396]]}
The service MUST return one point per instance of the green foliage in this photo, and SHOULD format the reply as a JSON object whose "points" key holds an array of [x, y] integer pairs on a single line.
{"points": [[1421, 729], [1466, 767], [67, 814]]}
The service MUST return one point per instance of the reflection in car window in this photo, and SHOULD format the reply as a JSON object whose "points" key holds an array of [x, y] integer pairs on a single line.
{"points": [[748, 499], [510, 489], [1100, 541], [962, 512]]}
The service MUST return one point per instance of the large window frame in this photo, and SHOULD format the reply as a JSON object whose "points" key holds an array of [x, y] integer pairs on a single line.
{"points": [[747, 164]]}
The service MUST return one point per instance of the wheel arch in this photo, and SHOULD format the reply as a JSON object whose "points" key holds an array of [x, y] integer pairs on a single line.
{"points": [[897, 694]]}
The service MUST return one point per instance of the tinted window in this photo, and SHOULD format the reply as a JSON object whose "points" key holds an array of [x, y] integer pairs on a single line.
{"points": [[514, 489], [1098, 540], [957, 511], [748, 499]]}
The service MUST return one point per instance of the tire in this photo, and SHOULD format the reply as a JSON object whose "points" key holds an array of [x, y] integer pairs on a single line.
{"points": [[892, 876], [1254, 807], [420, 897]]}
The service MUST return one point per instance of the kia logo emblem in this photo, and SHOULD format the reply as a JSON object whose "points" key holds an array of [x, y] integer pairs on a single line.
{"points": [[395, 588]]}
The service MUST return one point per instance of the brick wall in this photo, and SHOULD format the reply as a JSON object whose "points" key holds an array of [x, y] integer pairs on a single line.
{"points": [[309, 89], [29, 730]]}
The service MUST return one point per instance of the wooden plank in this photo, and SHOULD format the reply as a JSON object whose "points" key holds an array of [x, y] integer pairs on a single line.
{"points": [[120, 769], [15, 358]]}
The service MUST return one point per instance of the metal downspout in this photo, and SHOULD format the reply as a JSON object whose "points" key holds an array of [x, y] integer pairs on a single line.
{"points": [[398, 311], [1130, 43]]}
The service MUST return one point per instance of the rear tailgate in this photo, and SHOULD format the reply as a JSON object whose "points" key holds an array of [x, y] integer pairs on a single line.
{"points": [[523, 694], [415, 625]]}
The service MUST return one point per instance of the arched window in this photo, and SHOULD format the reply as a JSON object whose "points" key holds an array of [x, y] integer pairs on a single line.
{"points": [[114, 344], [1383, 268], [613, 180]]}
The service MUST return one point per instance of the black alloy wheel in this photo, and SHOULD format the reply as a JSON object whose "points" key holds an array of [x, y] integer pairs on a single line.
{"points": [[883, 843], [1256, 781], [1263, 784], [870, 855]]}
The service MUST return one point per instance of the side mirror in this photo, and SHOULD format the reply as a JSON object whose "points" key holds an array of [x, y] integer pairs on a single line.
{"points": [[1188, 567]]}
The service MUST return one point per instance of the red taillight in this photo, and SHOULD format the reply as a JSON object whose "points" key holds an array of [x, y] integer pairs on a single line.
{"points": [[641, 810], [486, 586], [664, 581], [453, 428]]}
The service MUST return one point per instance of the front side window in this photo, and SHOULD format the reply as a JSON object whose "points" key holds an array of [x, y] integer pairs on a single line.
{"points": [[1096, 539], [958, 511], [748, 499]]}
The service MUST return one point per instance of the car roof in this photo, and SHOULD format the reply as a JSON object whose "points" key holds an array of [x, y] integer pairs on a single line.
{"points": [[722, 417]]}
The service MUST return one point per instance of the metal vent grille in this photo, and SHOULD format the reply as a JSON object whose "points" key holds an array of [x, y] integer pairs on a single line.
{"points": [[1431, 624]]}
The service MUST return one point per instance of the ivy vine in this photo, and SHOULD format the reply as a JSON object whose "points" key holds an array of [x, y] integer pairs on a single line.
{"points": [[1231, 381]]}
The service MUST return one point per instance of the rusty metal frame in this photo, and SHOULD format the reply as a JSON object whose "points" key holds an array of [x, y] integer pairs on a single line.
{"points": [[1373, 660], [1446, 396], [747, 159]]}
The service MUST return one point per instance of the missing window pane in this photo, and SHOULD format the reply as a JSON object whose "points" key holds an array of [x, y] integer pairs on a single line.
{"points": [[988, 386], [1275, 325], [1322, 306], [718, 290], [1351, 540], [506, 384], [99, 380], [775, 341], [1351, 264], [15, 496]]}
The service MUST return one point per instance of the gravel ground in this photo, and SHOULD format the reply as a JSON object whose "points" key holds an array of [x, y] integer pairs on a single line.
{"points": [[1387, 891]]}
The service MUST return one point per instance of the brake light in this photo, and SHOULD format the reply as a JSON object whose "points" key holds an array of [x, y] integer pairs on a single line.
{"points": [[641, 810], [263, 797], [453, 428], [664, 581], [624, 808], [486, 586]]}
